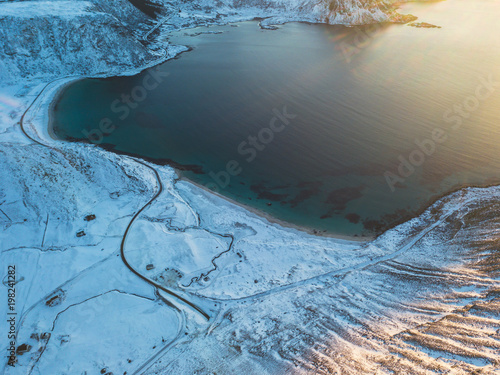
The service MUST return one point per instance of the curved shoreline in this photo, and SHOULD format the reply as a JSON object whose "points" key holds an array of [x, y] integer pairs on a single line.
{"points": [[52, 101], [59, 91], [276, 221], [254, 210]]}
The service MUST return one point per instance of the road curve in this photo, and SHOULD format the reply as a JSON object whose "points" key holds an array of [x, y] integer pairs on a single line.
{"points": [[122, 245], [124, 238]]}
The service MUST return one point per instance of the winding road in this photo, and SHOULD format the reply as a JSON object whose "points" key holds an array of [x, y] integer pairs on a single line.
{"points": [[127, 230]]}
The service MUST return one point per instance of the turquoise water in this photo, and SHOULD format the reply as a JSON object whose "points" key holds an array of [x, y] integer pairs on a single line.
{"points": [[344, 130]]}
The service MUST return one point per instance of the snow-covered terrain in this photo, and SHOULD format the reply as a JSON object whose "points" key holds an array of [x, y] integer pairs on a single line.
{"points": [[119, 263], [50, 39]]}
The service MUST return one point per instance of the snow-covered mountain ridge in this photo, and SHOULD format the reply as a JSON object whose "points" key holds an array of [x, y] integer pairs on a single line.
{"points": [[49, 39]]}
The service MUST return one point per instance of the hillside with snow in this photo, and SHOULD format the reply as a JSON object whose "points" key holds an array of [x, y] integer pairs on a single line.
{"points": [[50, 39]]}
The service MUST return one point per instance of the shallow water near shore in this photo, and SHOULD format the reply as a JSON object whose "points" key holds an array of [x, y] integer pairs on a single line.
{"points": [[345, 130]]}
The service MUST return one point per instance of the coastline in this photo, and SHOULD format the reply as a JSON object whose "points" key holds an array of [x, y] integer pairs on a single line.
{"points": [[49, 107], [273, 220], [362, 239], [258, 212], [59, 90], [262, 214]]}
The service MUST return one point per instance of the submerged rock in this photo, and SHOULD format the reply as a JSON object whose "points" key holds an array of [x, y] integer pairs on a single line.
{"points": [[424, 25]]}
